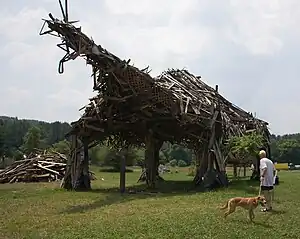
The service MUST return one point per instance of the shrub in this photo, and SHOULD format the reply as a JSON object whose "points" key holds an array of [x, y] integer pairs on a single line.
{"points": [[181, 163], [192, 171], [173, 162]]}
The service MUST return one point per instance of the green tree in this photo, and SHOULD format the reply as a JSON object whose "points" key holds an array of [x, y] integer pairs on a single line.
{"points": [[140, 157], [32, 140], [63, 147], [170, 151], [165, 151], [2, 138], [179, 153], [17, 155], [98, 154], [162, 158], [173, 162], [103, 156], [181, 163], [288, 151], [2, 146], [14, 131], [244, 150], [113, 158], [245, 146]]}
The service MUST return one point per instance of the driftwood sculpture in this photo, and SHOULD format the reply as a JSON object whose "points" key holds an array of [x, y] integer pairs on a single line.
{"points": [[133, 108]]}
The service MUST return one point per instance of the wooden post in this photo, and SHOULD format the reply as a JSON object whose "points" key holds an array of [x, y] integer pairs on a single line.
{"points": [[67, 182], [77, 175], [85, 171], [210, 161], [144, 175], [150, 160], [211, 171], [66, 11], [202, 161], [122, 172], [235, 170], [75, 162]]}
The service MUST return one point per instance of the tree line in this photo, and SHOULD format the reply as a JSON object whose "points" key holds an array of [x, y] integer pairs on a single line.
{"points": [[22, 136], [19, 137]]}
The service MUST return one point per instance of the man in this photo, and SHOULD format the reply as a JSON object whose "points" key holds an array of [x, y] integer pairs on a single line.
{"points": [[267, 171]]}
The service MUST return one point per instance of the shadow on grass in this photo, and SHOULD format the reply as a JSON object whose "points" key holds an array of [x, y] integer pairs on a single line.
{"points": [[262, 224], [277, 212], [110, 199], [247, 221], [248, 186], [274, 212], [164, 189]]}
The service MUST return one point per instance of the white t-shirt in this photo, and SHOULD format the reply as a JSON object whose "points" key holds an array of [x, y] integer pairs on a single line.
{"points": [[269, 175]]}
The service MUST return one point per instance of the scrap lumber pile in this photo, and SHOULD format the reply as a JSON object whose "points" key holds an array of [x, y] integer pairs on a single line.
{"points": [[42, 168], [46, 167]]}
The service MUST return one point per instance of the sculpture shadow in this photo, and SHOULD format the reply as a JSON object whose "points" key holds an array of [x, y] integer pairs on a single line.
{"points": [[262, 224], [247, 186], [255, 222], [277, 212], [164, 189], [113, 195]]}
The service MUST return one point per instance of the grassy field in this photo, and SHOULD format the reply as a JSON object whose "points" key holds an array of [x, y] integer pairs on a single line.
{"points": [[45, 211]]}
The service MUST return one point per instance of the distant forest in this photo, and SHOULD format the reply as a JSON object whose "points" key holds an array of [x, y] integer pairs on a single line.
{"points": [[22, 136]]}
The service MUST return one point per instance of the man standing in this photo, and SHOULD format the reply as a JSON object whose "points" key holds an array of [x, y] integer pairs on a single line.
{"points": [[266, 179]]}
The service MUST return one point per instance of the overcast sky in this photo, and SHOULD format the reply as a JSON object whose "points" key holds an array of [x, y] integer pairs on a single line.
{"points": [[249, 48]]}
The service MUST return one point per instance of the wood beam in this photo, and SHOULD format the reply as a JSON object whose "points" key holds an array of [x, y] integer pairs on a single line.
{"points": [[123, 171]]}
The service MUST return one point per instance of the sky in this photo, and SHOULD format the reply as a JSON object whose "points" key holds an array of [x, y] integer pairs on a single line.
{"points": [[249, 48]]}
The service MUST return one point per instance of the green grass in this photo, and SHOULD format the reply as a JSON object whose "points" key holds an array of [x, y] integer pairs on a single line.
{"points": [[44, 211]]}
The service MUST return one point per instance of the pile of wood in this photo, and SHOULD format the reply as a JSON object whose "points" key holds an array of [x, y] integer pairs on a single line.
{"points": [[41, 168]]}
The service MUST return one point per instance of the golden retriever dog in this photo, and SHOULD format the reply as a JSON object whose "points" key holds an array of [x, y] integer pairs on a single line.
{"points": [[247, 203]]}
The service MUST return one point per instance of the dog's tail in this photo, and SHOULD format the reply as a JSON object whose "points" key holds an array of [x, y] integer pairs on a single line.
{"points": [[225, 206]]}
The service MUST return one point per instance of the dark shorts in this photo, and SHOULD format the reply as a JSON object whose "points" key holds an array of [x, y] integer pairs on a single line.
{"points": [[266, 188]]}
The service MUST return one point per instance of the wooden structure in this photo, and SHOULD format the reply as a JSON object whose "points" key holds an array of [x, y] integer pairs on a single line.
{"points": [[133, 108]]}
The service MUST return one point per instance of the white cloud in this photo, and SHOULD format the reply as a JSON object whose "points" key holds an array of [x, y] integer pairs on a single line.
{"points": [[17, 95], [70, 97], [259, 24], [249, 48], [23, 25]]}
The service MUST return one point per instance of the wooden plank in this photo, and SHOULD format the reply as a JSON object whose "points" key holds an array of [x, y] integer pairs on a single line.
{"points": [[187, 105], [48, 169], [122, 173]]}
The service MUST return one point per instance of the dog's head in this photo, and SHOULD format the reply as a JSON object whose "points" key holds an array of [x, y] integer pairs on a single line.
{"points": [[261, 200]]}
